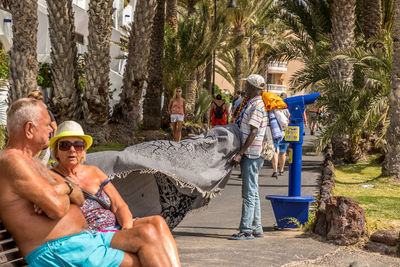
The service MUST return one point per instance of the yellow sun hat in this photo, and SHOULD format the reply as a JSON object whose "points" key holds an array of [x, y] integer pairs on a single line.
{"points": [[71, 129]]}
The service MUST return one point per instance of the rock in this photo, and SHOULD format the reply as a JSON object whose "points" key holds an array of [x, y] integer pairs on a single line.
{"points": [[192, 130], [345, 220], [320, 226], [358, 264], [380, 248], [140, 139], [388, 237], [151, 135]]}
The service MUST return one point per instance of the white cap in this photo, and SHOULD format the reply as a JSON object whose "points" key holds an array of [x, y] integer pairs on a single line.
{"points": [[256, 80]]}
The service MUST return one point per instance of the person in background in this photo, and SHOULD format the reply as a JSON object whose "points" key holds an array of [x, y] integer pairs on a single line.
{"points": [[44, 155], [219, 113], [176, 109], [313, 115], [252, 126], [279, 157]]}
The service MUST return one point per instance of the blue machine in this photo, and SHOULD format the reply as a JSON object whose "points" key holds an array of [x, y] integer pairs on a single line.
{"points": [[293, 205]]}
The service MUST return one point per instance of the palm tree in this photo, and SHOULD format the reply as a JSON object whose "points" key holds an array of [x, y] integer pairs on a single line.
{"points": [[392, 161], [186, 54], [96, 94], [341, 71], [152, 100], [362, 108], [247, 12], [23, 62], [127, 111], [65, 102]]}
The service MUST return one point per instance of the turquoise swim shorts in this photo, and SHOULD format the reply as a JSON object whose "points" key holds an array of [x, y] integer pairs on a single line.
{"points": [[89, 248]]}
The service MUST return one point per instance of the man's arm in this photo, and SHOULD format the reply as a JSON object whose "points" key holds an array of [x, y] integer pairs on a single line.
{"points": [[34, 186], [238, 157]]}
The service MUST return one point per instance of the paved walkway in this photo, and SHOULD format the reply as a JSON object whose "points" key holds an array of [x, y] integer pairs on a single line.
{"points": [[202, 236]]}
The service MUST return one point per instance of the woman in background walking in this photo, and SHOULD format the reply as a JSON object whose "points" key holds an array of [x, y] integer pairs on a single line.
{"points": [[176, 109], [218, 112]]}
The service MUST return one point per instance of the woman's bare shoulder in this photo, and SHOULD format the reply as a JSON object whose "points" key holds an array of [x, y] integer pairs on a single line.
{"points": [[95, 171]]}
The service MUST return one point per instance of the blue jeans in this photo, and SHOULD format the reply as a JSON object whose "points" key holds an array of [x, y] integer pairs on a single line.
{"points": [[251, 214]]}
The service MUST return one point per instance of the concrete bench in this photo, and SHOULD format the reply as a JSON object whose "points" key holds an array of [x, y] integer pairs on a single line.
{"points": [[9, 252]]}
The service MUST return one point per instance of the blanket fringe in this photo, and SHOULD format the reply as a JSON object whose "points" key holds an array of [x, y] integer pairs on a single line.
{"points": [[179, 183]]}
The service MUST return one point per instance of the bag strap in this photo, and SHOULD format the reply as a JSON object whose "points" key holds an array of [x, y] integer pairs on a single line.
{"points": [[86, 193]]}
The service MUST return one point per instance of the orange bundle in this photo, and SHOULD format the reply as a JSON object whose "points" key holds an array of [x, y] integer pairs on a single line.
{"points": [[273, 101]]}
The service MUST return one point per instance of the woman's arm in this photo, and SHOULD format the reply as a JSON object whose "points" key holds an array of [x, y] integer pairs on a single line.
{"points": [[118, 205]]}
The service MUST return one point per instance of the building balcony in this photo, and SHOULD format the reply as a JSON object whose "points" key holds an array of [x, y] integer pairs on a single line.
{"points": [[276, 88], [277, 67]]}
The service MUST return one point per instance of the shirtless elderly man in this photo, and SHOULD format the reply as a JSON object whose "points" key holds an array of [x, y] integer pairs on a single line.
{"points": [[41, 210]]}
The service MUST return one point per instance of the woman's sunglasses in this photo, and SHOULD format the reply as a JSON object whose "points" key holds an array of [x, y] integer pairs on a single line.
{"points": [[66, 145]]}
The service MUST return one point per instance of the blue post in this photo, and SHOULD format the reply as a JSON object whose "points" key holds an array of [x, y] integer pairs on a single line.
{"points": [[295, 171], [294, 205]]}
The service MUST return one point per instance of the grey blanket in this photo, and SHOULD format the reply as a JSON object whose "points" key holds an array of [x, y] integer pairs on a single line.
{"points": [[170, 178]]}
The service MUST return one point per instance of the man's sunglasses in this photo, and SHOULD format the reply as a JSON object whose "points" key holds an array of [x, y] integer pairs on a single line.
{"points": [[66, 145]]}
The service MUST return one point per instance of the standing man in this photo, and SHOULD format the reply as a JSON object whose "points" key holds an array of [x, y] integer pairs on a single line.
{"points": [[41, 210], [252, 127]]}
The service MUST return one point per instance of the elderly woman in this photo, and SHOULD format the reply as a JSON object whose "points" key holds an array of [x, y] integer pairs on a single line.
{"points": [[104, 208]]}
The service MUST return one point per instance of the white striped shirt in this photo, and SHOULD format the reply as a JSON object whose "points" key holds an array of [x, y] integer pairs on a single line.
{"points": [[254, 115]]}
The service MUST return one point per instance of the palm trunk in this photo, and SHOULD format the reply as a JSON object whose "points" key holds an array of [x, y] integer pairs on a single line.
{"points": [[341, 71], [391, 166], [238, 70], [96, 93], [23, 58], [172, 14], [152, 101], [343, 25], [127, 112], [65, 103], [191, 86], [209, 73], [5, 4], [165, 117], [372, 18], [191, 6]]}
